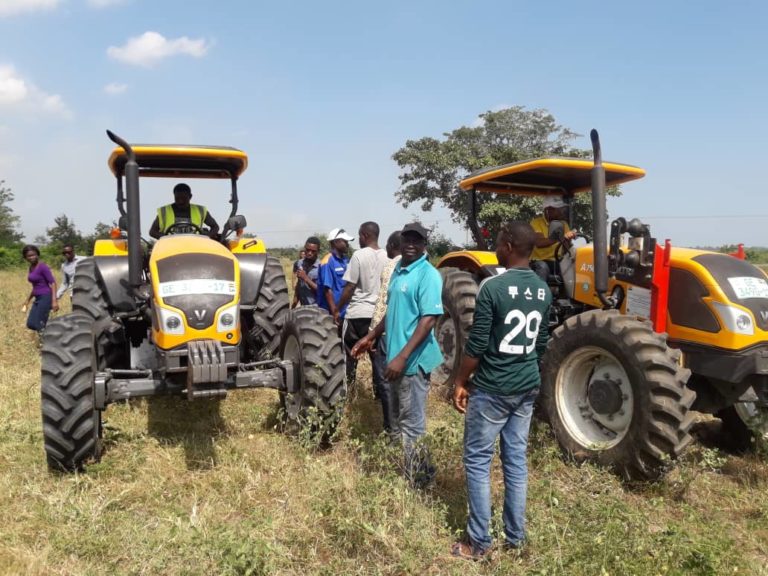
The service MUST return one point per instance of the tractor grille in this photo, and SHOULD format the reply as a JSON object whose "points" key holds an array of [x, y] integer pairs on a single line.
{"points": [[200, 309]]}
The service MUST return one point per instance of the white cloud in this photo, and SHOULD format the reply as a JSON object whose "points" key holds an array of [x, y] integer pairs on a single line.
{"points": [[15, 91], [115, 88], [103, 3], [151, 47], [12, 88], [12, 7]]}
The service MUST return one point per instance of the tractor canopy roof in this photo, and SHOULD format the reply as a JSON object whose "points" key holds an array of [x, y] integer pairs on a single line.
{"points": [[182, 161], [543, 176]]}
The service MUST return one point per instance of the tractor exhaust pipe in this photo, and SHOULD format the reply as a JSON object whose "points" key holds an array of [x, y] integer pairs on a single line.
{"points": [[599, 221], [134, 212]]}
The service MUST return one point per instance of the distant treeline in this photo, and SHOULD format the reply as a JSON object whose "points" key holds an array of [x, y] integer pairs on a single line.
{"points": [[754, 254]]}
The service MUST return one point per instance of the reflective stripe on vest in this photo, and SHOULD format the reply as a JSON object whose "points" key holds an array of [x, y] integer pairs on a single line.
{"points": [[167, 218]]}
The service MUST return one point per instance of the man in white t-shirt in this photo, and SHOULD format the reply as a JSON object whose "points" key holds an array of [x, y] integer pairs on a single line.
{"points": [[363, 281], [67, 270]]}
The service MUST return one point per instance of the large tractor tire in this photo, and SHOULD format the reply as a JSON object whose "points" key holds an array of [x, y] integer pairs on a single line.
{"points": [[87, 294], [452, 328], [267, 320], [311, 342], [615, 394], [71, 424], [743, 421]]}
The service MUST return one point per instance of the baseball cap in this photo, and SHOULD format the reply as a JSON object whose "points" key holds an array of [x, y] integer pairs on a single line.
{"points": [[339, 234], [553, 202], [417, 228]]}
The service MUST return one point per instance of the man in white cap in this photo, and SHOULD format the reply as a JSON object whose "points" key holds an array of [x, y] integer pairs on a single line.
{"points": [[543, 256], [330, 277]]}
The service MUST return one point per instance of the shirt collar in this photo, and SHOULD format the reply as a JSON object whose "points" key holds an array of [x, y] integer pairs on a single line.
{"points": [[412, 266], [337, 257]]}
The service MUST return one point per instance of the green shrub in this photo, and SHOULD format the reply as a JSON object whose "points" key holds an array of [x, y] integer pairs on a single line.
{"points": [[10, 257]]}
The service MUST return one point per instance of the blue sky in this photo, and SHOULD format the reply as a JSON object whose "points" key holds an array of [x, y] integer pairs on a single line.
{"points": [[321, 94]]}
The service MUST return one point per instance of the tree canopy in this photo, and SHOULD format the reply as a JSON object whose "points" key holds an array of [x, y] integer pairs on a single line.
{"points": [[9, 222], [431, 168], [64, 232]]}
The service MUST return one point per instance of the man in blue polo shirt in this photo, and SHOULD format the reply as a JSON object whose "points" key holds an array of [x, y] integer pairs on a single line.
{"points": [[414, 303], [330, 277]]}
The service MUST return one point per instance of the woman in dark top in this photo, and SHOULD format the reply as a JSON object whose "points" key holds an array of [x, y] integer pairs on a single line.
{"points": [[43, 289]]}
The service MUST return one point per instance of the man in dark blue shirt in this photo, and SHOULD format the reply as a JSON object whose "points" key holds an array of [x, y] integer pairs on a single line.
{"points": [[330, 281], [306, 271]]}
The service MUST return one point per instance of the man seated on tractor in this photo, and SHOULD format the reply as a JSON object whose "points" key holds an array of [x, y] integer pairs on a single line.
{"points": [[543, 256], [183, 217]]}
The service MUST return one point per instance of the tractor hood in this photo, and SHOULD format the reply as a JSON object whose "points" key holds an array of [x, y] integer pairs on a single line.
{"points": [[706, 289], [195, 275]]}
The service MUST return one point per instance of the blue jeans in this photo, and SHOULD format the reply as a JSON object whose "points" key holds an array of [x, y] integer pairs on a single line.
{"points": [[408, 402], [488, 416], [41, 309]]}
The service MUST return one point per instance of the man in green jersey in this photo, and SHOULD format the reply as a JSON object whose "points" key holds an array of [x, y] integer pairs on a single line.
{"points": [[508, 336]]}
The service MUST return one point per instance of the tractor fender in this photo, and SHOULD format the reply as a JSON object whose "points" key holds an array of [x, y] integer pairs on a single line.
{"points": [[112, 273], [252, 268]]}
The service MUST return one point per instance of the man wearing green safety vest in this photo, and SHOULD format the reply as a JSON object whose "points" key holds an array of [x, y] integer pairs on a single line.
{"points": [[180, 213]]}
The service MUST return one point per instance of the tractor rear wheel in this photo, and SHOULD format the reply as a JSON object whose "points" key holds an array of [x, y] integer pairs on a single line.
{"points": [[310, 340], [615, 393], [87, 294], [452, 328], [71, 424], [267, 320]]}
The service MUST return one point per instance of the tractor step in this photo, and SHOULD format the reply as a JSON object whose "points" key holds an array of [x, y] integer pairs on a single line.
{"points": [[212, 393]]}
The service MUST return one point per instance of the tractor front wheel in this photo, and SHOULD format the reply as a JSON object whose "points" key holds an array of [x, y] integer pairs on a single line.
{"points": [[742, 422], [71, 424], [615, 394]]}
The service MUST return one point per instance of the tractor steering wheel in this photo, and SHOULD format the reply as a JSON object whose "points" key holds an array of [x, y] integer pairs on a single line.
{"points": [[184, 228], [564, 245]]}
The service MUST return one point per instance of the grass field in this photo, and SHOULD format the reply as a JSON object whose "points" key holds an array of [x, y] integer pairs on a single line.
{"points": [[213, 488]]}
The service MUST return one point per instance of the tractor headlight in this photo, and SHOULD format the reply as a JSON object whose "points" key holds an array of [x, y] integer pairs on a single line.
{"points": [[735, 319], [228, 318], [170, 322]]}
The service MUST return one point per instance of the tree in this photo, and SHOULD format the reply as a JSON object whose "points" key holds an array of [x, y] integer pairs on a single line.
{"points": [[439, 244], [64, 232], [101, 231], [432, 168], [9, 222]]}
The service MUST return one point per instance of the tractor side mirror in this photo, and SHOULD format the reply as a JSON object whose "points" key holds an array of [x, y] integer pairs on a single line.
{"points": [[556, 230], [236, 222], [122, 222]]}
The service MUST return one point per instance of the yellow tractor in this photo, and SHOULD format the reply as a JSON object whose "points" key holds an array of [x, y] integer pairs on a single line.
{"points": [[642, 333], [189, 315]]}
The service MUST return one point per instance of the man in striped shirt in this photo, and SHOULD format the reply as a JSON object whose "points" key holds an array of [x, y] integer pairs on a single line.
{"points": [[508, 337]]}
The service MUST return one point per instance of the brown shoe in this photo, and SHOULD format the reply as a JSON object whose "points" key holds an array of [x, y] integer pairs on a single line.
{"points": [[469, 552]]}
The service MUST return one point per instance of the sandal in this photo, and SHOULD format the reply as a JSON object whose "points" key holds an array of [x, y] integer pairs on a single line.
{"points": [[469, 552]]}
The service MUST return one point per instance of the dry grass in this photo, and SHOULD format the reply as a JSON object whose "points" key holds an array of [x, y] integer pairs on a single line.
{"points": [[213, 488]]}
